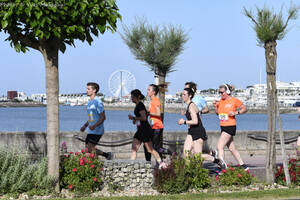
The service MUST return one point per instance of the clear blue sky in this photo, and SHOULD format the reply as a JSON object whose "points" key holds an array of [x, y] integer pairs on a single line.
{"points": [[222, 47]]}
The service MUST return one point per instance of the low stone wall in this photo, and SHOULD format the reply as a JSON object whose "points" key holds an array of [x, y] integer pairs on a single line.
{"points": [[128, 174], [36, 142]]}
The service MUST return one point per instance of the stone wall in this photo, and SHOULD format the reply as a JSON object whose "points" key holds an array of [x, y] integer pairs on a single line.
{"points": [[128, 174], [36, 142]]}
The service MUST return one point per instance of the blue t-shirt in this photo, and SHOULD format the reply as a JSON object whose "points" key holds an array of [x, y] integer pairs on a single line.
{"points": [[199, 101], [94, 108]]}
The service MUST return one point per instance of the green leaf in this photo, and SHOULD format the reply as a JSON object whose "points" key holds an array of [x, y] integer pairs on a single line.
{"points": [[4, 24]]}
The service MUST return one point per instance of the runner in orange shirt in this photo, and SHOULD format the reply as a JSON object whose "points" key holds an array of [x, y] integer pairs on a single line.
{"points": [[155, 120], [227, 108]]}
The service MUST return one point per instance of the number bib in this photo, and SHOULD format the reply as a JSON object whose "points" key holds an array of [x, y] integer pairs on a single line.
{"points": [[223, 116]]}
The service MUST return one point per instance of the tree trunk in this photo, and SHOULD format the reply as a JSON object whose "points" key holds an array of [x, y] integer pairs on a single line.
{"points": [[285, 162], [271, 57], [52, 89], [160, 80]]}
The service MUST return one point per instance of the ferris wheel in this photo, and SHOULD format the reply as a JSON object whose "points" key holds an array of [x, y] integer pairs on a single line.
{"points": [[121, 82]]}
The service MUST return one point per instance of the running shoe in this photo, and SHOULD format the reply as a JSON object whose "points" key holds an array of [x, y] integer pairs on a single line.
{"points": [[246, 168], [110, 156], [222, 163], [214, 153]]}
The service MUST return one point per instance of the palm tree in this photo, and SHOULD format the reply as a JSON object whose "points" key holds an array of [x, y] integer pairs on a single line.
{"points": [[157, 48], [269, 28]]}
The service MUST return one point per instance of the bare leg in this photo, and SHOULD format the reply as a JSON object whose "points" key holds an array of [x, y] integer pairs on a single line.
{"points": [[223, 140], [151, 150], [188, 145], [198, 144], [234, 151], [134, 148]]}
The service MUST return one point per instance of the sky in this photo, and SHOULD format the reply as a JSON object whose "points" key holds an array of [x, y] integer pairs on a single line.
{"points": [[222, 48]]}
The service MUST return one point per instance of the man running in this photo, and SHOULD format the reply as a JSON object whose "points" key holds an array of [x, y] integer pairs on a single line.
{"points": [[96, 117]]}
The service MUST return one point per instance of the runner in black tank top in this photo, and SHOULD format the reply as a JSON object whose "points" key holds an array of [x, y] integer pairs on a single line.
{"points": [[196, 131]]}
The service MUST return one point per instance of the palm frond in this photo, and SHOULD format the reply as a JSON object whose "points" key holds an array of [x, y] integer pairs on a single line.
{"points": [[268, 25], [157, 48]]}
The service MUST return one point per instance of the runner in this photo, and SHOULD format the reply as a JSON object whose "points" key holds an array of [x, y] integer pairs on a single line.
{"points": [[203, 108], [227, 108], [155, 120], [144, 131], [196, 132], [96, 115]]}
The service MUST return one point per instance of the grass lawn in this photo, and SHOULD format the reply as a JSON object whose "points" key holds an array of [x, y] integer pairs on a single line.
{"points": [[268, 194]]}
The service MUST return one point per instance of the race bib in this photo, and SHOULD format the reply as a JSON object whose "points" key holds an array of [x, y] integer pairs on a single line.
{"points": [[91, 118], [223, 116]]}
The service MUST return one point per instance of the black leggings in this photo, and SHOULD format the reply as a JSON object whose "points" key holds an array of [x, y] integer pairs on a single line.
{"points": [[156, 142]]}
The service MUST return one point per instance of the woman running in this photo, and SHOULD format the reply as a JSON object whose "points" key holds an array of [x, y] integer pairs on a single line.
{"points": [[155, 120], [227, 108], [196, 132], [144, 130]]}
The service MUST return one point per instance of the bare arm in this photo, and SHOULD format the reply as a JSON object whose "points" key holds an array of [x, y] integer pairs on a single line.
{"points": [[99, 122], [156, 113], [193, 110], [204, 110]]}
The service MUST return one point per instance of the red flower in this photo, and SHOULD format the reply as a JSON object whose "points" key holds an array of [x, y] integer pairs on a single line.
{"points": [[76, 153], [82, 150], [248, 171], [70, 187], [239, 175], [81, 162], [101, 169], [71, 152], [66, 156], [92, 166], [224, 171], [252, 175], [74, 170], [86, 150], [95, 179], [87, 155], [217, 177], [85, 160], [90, 162], [231, 168]]}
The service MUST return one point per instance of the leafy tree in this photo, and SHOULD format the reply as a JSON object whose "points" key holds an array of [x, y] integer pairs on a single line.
{"points": [[157, 48], [48, 26], [269, 28]]}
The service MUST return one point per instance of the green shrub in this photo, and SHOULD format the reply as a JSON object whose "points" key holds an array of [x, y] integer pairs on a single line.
{"points": [[18, 174], [294, 170], [80, 172], [235, 176], [181, 175]]}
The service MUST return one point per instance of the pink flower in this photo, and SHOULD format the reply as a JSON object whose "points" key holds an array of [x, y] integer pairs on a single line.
{"points": [[217, 177], [87, 155], [71, 152], [92, 155], [86, 150], [90, 162], [101, 169], [224, 171], [76, 153], [95, 179], [82, 150], [92, 166], [252, 175], [85, 160], [231, 168], [66, 156], [239, 175], [70, 187], [81, 162], [74, 170]]}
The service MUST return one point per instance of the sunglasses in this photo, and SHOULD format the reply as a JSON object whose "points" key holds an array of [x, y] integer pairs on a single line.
{"points": [[221, 92]]}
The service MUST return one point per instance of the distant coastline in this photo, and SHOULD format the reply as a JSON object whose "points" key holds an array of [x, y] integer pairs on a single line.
{"points": [[130, 108]]}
